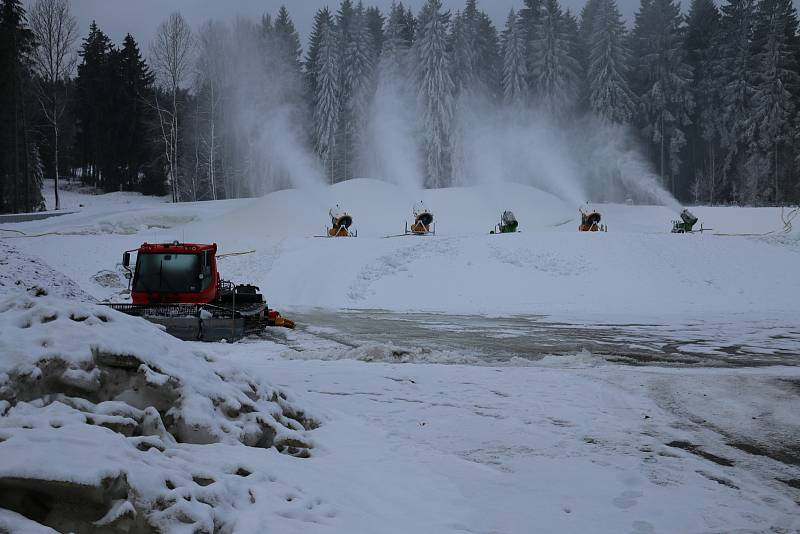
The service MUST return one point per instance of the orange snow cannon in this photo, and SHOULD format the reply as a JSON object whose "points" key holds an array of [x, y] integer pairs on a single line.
{"points": [[590, 221]]}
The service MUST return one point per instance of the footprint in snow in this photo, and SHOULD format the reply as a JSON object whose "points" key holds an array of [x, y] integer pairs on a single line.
{"points": [[627, 499]]}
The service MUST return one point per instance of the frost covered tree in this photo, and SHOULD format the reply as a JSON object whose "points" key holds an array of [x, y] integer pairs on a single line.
{"points": [[434, 91], [515, 67], [555, 71], [286, 41], [322, 19], [610, 96], [662, 81], [733, 72], [360, 81], [703, 141], [394, 52], [475, 63], [776, 79], [326, 100], [375, 22]]}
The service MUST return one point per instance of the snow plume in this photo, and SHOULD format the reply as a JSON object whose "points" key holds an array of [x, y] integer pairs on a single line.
{"points": [[614, 167], [392, 152], [507, 144], [262, 116], [588, 160]]}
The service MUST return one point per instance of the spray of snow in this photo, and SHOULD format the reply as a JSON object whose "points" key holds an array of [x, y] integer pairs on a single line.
{"points": [[392, 152], [507, 145], [266, 104], [587, 160]]}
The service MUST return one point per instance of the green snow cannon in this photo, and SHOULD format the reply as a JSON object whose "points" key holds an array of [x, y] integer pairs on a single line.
{"points": [[508, 223], [686, 224]]}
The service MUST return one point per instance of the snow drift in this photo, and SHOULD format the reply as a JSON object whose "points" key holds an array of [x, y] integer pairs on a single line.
{"points": [[127, 410]]}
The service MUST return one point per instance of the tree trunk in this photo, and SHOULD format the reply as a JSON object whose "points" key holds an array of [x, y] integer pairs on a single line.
{"points": [[776, 173], [55, 150], [713, 175], [663, 182]]}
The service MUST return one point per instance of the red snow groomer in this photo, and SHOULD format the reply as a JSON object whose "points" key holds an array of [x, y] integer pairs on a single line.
{"points": [[177, 285]]}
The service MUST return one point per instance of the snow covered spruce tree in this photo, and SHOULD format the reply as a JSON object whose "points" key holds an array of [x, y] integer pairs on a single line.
{"points": [[732, 80], [662, 81], [475, 70], [322, 18], [434, 92], [326, 99], [777, 81], [344, 145], [702, 136], [475, 58], [394, 52], [554, 71], [515, 67], [610, 96], [359, 78]]}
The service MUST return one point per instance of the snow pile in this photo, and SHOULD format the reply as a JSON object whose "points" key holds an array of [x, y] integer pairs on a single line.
{"points": [[123, 407], [20, 272]]}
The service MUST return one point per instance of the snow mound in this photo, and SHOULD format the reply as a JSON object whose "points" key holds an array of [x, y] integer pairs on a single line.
{"points": [[20, 272], [124, 407], [381, 209]]}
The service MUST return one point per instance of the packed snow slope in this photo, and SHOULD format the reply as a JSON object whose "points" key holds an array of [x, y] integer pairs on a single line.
{"points": [[637, 270]]}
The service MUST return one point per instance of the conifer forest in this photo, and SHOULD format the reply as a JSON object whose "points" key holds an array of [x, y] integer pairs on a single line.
{"points": [[704, 98]]}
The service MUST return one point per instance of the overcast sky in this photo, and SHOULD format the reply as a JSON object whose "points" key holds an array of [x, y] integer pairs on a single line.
{"points": [[141, 17]]}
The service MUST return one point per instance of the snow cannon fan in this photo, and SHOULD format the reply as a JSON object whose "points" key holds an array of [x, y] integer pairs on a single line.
{"points": [[423, 221], [590, 220], [508, 224], [341, 221], [686, 224]]}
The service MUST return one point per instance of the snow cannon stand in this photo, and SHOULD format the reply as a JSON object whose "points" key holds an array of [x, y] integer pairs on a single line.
{"points": [[590, 221], [508, 224], [341, 221], [686, 224], [423, 222]]}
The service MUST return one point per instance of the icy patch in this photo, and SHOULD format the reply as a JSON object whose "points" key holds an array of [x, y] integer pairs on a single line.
{"points": [[124, 407], [580, 359], [385, 352]]}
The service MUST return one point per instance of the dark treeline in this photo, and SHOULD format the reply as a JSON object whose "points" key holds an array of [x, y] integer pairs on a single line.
{"points": [[712, 96]]}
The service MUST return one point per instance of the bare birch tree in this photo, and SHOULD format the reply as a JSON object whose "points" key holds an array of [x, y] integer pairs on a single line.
{"points": [[211, 71], [172, 59], [55, 31]]}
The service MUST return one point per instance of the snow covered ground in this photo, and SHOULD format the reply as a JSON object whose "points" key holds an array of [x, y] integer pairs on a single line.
{"points": [[391, 439]]}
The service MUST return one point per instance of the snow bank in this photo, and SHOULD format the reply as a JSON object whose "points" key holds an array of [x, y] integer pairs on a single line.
{"points": [[20, 272], [125, 408]]}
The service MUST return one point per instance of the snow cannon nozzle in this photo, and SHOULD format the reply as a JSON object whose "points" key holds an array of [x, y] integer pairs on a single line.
{"points": [[423, 221], [341, 221], [688, 217], [686, 224], [590, 220], [508, 223]]}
